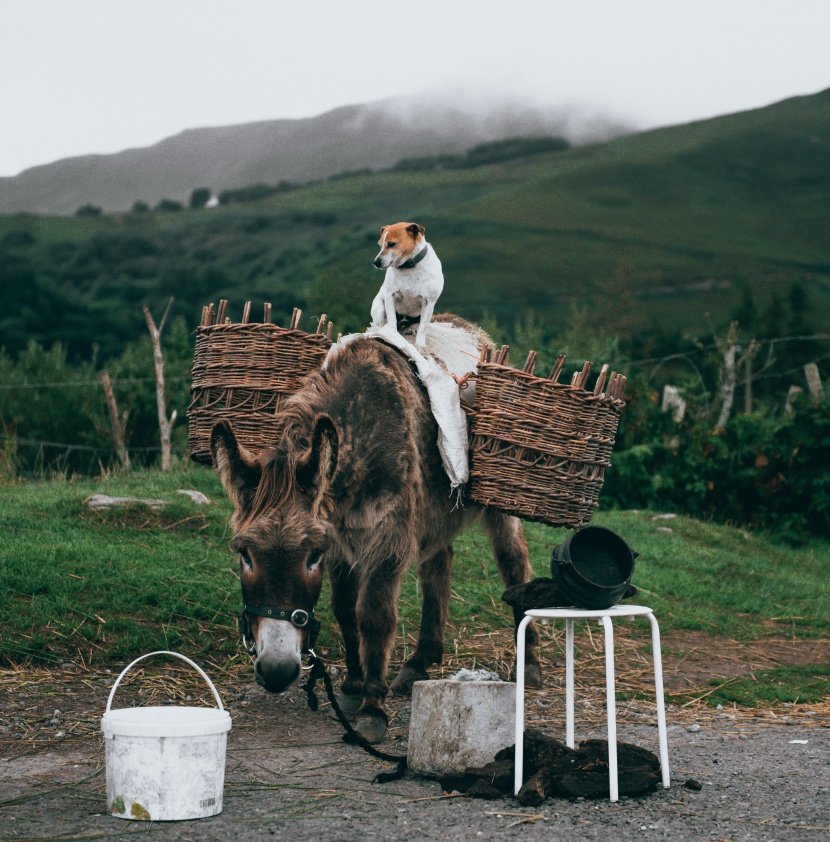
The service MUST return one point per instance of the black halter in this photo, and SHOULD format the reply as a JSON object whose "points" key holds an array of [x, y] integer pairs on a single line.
{"points": [[298, 617]]}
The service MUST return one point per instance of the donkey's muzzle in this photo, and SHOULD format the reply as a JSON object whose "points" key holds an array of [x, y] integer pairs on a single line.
{"points": [[276, 677]]}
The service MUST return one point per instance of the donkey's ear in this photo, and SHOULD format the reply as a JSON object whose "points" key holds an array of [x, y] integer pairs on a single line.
{"points": [[316, 468], [238, 469]]}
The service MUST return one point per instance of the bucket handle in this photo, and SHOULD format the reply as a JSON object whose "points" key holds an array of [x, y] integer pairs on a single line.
{"points": [[163, 652]]}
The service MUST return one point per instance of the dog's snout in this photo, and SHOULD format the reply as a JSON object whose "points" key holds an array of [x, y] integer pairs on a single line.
{"points": [[377, 262]]}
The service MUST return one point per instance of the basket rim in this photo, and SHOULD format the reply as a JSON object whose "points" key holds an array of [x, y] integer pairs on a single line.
{"points": [[524, 378]]}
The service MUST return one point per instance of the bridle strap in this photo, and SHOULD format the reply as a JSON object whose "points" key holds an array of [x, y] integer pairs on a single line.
{"points": [[298, 617], [319, 671]]}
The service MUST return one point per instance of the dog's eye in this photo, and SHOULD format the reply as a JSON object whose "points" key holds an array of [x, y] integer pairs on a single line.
{"points": [[391, 245]]}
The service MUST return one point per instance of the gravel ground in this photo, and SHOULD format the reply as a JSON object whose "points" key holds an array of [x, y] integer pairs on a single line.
{"points": [[763, 776]]}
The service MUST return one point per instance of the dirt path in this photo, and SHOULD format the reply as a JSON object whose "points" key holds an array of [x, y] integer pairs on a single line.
{"points": [[290, 776]]}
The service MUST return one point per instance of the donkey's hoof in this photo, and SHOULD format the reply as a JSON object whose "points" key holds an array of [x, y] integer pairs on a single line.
{"points": [[402, 685], [349, 703], [371, 728], [533, 676]]}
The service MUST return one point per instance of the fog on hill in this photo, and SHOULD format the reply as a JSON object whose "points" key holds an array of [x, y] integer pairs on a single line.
{"points": [[372, 136]]}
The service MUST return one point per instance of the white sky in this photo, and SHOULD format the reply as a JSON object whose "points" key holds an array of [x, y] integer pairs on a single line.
{"points": [[82, 76]]}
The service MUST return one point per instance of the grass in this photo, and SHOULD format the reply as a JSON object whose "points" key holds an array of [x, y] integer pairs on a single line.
{"points": [[784, 684], [100, 588]]}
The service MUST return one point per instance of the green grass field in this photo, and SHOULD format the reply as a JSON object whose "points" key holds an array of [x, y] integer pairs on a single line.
{"points": [[98, 589]]}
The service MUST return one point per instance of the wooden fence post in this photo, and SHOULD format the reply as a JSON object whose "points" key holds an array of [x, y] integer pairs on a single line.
{"points": [[115, 421], [165, 423]]}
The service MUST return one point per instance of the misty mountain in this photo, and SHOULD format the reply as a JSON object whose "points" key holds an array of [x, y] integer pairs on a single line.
{"points": [[375, 136]]}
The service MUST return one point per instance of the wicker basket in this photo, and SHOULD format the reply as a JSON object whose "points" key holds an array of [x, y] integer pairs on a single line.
{"points": [[539, 448], [243, 372]]}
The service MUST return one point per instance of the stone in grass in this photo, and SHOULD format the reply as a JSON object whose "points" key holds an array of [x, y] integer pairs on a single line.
{"points": [[104, 501], [196, 496]]}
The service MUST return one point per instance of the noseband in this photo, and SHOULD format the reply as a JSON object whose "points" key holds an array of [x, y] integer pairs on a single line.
{"points": [[298, 617]]}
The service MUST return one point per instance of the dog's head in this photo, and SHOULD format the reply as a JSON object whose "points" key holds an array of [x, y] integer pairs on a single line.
{"points": [[398, 243]]}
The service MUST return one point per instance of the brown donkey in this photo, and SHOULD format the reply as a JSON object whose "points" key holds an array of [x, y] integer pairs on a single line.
{"points": [[356, 485]]}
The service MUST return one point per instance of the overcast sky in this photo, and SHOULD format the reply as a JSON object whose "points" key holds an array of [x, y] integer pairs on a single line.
{"points": [[83, 76]]}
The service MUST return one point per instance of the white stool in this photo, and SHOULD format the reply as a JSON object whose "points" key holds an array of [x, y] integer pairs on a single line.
{"points": [[605, 617]]}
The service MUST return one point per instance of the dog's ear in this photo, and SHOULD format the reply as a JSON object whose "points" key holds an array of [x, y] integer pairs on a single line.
{"points": [[383, 229], [415, 229]]}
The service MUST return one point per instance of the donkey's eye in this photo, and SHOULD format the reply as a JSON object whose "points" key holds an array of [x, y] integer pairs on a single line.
{"points": [[313, 561], [245, 559]]}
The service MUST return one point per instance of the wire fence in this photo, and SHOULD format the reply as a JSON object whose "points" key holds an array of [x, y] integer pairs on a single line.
{"points": [[102, 453]]}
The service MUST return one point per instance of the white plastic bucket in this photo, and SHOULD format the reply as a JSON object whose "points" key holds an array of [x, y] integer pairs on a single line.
{"points": [[165, 763]]}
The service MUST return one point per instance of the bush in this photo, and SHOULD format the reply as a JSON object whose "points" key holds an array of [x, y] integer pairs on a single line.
{"points": [[765, 470], [88, 210], [169, 206], [199, 198]]}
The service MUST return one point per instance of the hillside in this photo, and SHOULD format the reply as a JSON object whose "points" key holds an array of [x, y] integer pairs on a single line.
{"points": [[649, 232], [371, 136]]}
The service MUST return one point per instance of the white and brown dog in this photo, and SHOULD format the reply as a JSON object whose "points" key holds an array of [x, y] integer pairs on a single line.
{"points": [[413, 281]]}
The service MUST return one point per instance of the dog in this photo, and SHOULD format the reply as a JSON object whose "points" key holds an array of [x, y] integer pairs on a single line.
{"points": [[413, 281]]}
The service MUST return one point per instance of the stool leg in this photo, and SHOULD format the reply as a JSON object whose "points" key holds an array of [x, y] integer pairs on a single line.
{"points": [[658, 691], [611, 704], [569, 682], [520, 705]]}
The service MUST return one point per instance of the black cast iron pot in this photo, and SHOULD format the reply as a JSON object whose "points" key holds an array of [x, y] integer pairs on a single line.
{"points": [[592, 567]]}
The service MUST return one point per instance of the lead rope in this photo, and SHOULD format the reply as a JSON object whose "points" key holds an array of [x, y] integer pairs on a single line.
{"points": [[318, 670]]}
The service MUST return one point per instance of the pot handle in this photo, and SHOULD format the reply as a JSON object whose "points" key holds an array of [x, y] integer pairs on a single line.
{"points": [[163, 652]]}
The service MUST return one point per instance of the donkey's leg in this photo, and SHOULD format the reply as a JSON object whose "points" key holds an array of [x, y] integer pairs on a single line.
{"points": [[435, 573], [377, 614], [344, 590], [510, 548]]}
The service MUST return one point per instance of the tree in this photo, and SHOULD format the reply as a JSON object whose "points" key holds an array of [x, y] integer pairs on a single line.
{"points": [[165, 423], [199, 198], [169, 206], [88, 210], [140, 207]]}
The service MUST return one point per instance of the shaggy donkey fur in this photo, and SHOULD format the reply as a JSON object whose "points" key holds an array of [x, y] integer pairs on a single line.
{"points": [[357, 481]]}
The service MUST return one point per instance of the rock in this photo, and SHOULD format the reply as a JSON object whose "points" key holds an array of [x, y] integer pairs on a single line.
{"points": [[196, 496], [103, 501], [458, 724]]}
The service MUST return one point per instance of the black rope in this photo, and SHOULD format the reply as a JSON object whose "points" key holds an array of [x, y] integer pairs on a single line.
{"points": [[318, 670]]}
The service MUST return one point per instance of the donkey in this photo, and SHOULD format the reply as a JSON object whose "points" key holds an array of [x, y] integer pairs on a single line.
{"points": [[355, 485]]}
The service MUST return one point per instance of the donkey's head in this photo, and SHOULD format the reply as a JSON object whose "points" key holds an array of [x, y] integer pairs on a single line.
{"points": [[281, 533]]}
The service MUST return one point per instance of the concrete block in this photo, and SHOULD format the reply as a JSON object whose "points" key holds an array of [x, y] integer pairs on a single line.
{"points": [[458, 724]]}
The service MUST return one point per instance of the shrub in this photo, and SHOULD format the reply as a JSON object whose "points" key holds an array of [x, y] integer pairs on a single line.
{"points": [[199, 198], [169, 206], [88, 210]]}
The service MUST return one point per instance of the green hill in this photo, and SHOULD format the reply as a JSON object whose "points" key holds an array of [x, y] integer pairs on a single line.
{"points": [[649, 232]]}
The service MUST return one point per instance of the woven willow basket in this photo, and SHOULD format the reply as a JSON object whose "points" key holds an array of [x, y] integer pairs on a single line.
{"points": [[539, 448], [243, 373]]}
